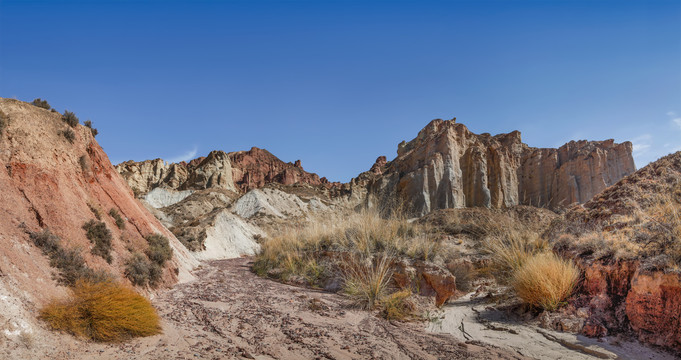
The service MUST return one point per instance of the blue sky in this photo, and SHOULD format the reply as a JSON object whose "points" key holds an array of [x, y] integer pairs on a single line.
{"points": [[338, 83]]}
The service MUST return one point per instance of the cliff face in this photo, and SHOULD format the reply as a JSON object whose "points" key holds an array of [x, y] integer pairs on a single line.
{"points": [[240, 172], [48, 182], [447, 166]]}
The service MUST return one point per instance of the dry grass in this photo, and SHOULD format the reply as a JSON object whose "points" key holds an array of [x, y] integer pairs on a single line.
{"points": [[102, 311], [545, 280], [510, 250], [298, 251], [397, 306], [366, 281]]}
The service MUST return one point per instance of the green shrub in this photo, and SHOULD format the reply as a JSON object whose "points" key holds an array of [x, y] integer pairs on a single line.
{"points": [[120, 222], [41, 104], [159, 250], [141, 271], [103, 311], [88, 124], [69, 262], [69, 135], [99, 234], [70, 118]]}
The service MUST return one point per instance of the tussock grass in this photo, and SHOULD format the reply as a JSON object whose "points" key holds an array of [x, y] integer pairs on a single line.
{"points": [[397, 306], [102, 311], [545, 280], [366, 280], [511, 249]]}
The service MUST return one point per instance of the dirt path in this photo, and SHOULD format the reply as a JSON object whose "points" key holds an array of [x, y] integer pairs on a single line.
{"points": [[228, 312]]}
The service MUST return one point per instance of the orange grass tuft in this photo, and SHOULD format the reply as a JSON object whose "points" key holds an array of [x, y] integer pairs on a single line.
{"points": [[545, 280], [103, 311]]}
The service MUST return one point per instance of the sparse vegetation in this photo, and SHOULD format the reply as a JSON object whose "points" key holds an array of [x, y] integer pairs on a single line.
{"points": [[100, 236], [41, 104], [397, 306], [120, 222], [70, 118], [545, 280], [102, 311], [95, 210], [4, 121], [88, 124], [69, 262], [69, 135], [84, 164], [141, 271]]}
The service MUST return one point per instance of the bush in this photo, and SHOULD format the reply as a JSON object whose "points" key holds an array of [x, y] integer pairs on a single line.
{"points": [[41, 104], [366, 280], [103, 311], [95, 211], [120, 222], [99, 234], [88, 124], [69, 262], [69, 135], [70, 118], [141, 271], [159, 250], [545, 280]]}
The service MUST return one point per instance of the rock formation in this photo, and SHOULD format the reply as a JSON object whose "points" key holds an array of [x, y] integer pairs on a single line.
{"points": [[239, 171], [50, 182], [447, 166]]}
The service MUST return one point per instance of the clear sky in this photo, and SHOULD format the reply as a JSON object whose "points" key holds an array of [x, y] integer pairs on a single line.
{"points": [[338, 83]]}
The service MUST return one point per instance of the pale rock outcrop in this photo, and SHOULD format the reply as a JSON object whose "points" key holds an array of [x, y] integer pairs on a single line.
{"points": [[229, 237], [272, 202], [447, 166], [146, 175], [160, 197], [214, 171]]}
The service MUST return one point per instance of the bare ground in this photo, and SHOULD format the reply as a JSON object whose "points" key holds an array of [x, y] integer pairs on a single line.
{"points": [[229, 312]]}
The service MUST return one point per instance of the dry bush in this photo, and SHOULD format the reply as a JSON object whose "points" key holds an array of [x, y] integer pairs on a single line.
{"points": [[70, 118], [120, 222], [366, 280], [69, 135], [545, 280], [88, 124], [99, 234], [102, 311], [141, 271], [69, 262], [4, 121], [397, 306], [41, 103]]}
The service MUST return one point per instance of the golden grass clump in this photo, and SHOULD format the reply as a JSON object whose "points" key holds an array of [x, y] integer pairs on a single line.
{"points": [[510, 251], [545, 280], [103, 311]]}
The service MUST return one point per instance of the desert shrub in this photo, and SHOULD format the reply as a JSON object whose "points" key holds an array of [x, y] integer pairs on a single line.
{"points": [[366, 280], [69, 135], [100, 236], [4, 121], [95, 211], [102, 311], [88, 124], [120, 222], [159, 250], [84, 165], [397, 306], [70, 118], [545, 280], [41, 104], [69, 262], [141, 271]]}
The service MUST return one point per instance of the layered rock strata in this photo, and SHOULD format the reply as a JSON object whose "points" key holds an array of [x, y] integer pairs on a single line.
{"points": [[447, 166]]}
